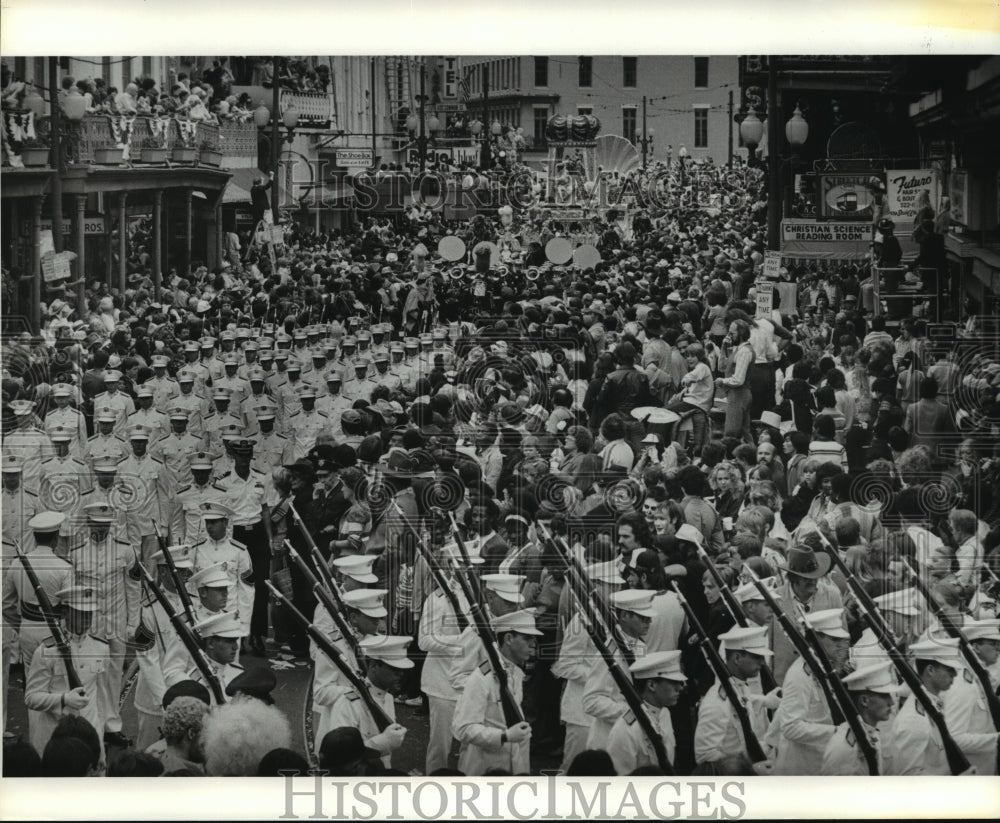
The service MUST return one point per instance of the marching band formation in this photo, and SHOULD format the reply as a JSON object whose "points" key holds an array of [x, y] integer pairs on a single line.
{"points": [[609, 514]]}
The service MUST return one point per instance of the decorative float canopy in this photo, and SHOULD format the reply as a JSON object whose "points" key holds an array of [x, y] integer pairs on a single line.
{"points": [[581, 128]]}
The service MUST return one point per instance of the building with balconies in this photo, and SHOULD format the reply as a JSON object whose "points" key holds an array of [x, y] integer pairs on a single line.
{"points": [[687, 99]]}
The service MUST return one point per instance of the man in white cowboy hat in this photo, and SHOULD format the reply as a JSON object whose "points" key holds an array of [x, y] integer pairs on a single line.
{"points": [[659, 680], [487, 742], [218, 547], [602, 700], [47, 693], [154, 493], [916, 743], [438, 636], [873, 691], [803, 724], [67, 417], [21, 610], [965, 709], [221, 634], [365, 613], [113, 398], [19, 503], [807, 587], [159, 652], [576, 660], [106, 562], [719, 734]]}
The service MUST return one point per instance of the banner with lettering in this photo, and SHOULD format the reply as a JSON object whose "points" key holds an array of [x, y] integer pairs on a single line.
{"points": [[813, 240]]}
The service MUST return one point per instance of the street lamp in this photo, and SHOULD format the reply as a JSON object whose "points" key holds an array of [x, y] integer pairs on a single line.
{"points": [[433, 123], [751, 133], [475, 128], [496, 128], [796, 132]]}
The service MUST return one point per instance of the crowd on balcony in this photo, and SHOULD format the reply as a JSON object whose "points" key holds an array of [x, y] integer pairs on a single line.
{"points": [[187, 98]]}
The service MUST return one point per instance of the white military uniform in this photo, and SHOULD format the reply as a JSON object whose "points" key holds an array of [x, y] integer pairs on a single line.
{"points": [[968, 718], [602, 700], [235, 560], [438, 636], [916, 742], [629, 746], [479, 722], [576, 656], [47, 682], [804, 722], [844, 757], [719, 733], [350, 710]]}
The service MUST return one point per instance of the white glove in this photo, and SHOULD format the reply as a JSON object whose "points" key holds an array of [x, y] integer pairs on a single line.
{"points": [[763, 769], [769, 700], [519, 732], [389, 740], [76, 699]]}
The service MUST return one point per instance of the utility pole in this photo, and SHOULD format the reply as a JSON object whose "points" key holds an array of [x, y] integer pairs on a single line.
{"points": [[275, 139], [423, 135], [773, 158], [486, 159], [645, 133], [375, 130], [57, 155], [730, 128]]}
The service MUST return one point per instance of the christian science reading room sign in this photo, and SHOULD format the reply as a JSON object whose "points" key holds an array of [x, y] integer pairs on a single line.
{"points": [[808, 238]]}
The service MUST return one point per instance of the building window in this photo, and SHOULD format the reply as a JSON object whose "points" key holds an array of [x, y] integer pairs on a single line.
{"points": [[586, 72], [701, 72], [542, 71], [541, 121], [628, 123], [147, 66], [701, 128], [584, 110], [630, 71]]}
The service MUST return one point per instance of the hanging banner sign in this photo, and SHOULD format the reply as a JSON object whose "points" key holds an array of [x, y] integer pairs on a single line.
{"points": [[813, 232], [903, 188], [46, 245]]}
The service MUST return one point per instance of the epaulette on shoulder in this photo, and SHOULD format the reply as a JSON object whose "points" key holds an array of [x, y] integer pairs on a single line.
{"points": [[353, 696], [850, 738], [630, 718], [919, 708], [49, 642], [238, 544], [969, 678], [183, 489], [722, 694], [236, 666], [485, 667], [100, 639]]}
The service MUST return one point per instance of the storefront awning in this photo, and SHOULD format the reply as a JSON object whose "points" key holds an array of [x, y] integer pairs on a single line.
{"points": [[326, 195], [239, 185]]}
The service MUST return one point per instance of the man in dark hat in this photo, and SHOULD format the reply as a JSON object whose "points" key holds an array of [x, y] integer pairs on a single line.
{"points": [[807, 588]]}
